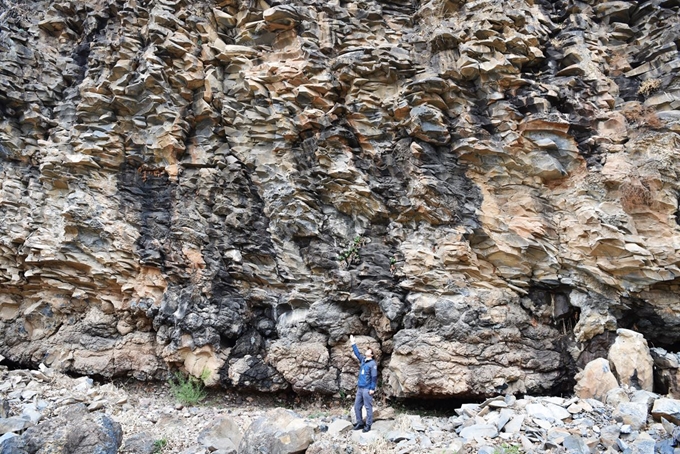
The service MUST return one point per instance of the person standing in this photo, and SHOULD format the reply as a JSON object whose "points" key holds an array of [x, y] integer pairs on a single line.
{"points": [[368, 379]]}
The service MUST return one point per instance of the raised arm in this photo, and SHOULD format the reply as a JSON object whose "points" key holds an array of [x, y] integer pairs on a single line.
{"points": [[356, 350]]}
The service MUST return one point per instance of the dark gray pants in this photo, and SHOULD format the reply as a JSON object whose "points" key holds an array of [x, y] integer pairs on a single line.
{"points": [[364, 399]]}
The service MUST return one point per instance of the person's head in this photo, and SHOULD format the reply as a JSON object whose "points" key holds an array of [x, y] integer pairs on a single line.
{"points": [[368, 353]]}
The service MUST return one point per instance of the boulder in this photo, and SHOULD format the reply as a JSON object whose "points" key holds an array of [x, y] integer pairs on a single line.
{"points": [[479, 431], [379, 413], [539, 411], [514, 425], [631, 413], [279, 431], [595, 380], [13, 424], [643, 444], [616, 396], [644, 397], [575, 444], [631, 360], [366, 438], [325, 447], [140, 443], [667, 408], [609, 435], [224, 433], [73, 431], [339, 426], [396, 436]]}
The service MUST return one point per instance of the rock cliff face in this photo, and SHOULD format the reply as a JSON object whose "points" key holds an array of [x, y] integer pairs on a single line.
{"points": [[481, 191]]}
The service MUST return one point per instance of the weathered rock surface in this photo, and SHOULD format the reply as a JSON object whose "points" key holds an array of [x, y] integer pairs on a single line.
{"points": [[73, 431], [485, 190], [223, 434], [280, 431], [631, 360], [595, 381]]}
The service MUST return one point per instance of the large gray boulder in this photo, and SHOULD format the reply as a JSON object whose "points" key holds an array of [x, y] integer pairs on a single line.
{"points": [[280, 431], [74, 431], [631, 413], [668, 409], [224, 433], [140, 443]]}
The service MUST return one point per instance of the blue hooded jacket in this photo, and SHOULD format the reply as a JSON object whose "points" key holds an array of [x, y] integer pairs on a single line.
{"points": [[368, 372]]}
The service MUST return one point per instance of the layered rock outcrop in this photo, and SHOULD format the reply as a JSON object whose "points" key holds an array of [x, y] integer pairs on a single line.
{"points": [[484, 190]]}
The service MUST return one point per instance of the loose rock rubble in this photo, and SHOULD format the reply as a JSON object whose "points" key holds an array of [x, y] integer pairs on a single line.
{"points": [[150, 421]]}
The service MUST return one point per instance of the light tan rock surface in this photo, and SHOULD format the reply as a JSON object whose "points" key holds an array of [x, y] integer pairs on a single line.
{"points": [[631, 360], [487, 189], [595, 380]]}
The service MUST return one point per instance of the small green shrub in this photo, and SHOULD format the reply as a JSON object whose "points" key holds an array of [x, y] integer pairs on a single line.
{"points": [[159, 445], [506, 448], [187, 389], [351, 254]]}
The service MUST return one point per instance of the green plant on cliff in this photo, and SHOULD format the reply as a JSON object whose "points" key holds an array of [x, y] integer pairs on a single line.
{"points": [[187, 389], [351, 254]]}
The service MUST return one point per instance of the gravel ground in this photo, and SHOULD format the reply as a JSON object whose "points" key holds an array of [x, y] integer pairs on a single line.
{"points": [[150, 413], [150, 408]]}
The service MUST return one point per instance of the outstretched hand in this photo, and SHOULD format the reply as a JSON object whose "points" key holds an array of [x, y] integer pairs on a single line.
{"points": [[351, 339]]}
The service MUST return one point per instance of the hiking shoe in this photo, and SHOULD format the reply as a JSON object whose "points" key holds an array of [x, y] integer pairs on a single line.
{"points": [[367, 428], [358, 426]]}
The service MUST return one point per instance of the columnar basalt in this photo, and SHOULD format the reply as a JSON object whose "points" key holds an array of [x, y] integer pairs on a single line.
{"points": [[481, 191]]}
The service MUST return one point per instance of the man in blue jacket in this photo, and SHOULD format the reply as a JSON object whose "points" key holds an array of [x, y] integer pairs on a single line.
{"points": [[368, 379]]}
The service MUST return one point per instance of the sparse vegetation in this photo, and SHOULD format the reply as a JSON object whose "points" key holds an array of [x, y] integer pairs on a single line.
{"points": [[159, 445], [506, 448], [393, 264], [649, 86], [641, 116], [636, 192], [318, 414], [351, 254], [187, 389]]}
